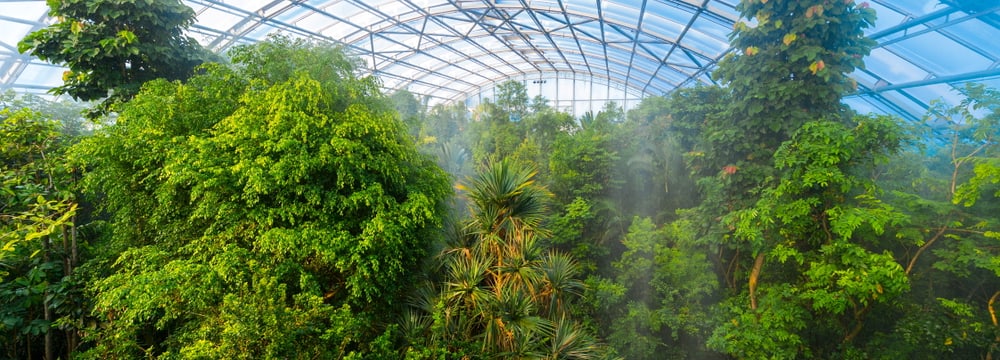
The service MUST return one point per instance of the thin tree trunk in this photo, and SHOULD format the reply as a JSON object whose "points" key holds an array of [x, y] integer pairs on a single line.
{"points": [[71, 333], [74, 256], [758, 263], [993, 317], [45, 304]]}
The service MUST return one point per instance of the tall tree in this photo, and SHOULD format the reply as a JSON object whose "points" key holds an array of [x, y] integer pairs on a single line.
{"points": [[113, 47], [274, 210], [782, 166]]}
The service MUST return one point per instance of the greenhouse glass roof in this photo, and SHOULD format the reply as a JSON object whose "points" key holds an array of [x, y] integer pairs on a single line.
{"points": [[449, 50]]}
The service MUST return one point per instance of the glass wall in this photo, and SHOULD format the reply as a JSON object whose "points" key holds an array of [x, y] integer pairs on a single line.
{"points": [[573, 94]]}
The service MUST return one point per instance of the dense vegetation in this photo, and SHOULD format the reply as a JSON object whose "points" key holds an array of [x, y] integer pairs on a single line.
{"points": [[279, 206]]}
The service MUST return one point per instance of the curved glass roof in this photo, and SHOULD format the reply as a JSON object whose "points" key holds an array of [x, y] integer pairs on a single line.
{"points": [[449, 50]]}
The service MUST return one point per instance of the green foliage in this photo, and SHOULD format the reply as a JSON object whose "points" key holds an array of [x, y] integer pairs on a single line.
{"points": [[68, 113], [37, 202], [977, 119], [666, 286], [494, 134], [113, 47], [773, 331], [40, 304], [502, 296], [259, 202], [582, 164], [512, 97], [410, 110], [796, 57]]}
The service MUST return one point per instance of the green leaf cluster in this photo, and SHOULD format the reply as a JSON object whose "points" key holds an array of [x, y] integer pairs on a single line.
{"points": [[274, 209], [112, 47]]}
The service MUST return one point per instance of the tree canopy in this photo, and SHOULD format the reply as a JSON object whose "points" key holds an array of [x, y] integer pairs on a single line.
{"points": [[113, 47], [271, 200]]}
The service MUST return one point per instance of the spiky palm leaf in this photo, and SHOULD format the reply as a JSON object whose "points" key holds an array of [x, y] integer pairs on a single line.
{"points": [[511, 316], [570, 341], [560, 281], [465, 279], [415, 325], [424, 297], [520, 268], [505, 199]]}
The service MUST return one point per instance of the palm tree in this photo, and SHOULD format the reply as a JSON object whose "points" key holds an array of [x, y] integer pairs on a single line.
{"points": [[500, 289], [570, 341], [559, 282], [505, 200]]}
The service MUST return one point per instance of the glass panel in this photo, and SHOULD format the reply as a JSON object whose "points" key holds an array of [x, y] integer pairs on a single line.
{"points": [[862, 105], [893, 68], [290, 15], [27, 10], [668, 12], [220, 20], [712, 28], [392, 8], [886, 17], [643, 67], [978, 33], [724, 9], [940, 55], [662, 28], [43, 75], [618, 13], [316, 22], [899, 99], [580, 6], [864, 78], [918, 7], [13, 33], [939, 92]]}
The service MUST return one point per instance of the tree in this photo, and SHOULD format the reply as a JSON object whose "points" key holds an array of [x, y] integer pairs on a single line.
{"points": [[273, 209], [783, 169], [502, 296], [410, 109], [946, 243], [113, 47], [512, 97], [39, 292], [70, 114]]}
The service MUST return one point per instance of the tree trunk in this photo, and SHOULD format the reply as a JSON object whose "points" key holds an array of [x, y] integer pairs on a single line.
{"points": [[993, 318], [45, 304], [758, 263]]}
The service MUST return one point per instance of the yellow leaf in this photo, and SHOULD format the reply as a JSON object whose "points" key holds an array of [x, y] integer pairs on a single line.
{"points": [[789, 38], [947, 341], [816, 66]]}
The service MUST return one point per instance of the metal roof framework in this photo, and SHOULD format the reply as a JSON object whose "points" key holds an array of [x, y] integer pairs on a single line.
{"points": [[448, 50]]}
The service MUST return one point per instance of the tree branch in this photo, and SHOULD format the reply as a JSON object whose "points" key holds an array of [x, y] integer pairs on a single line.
{"points": [[913, 260]]}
